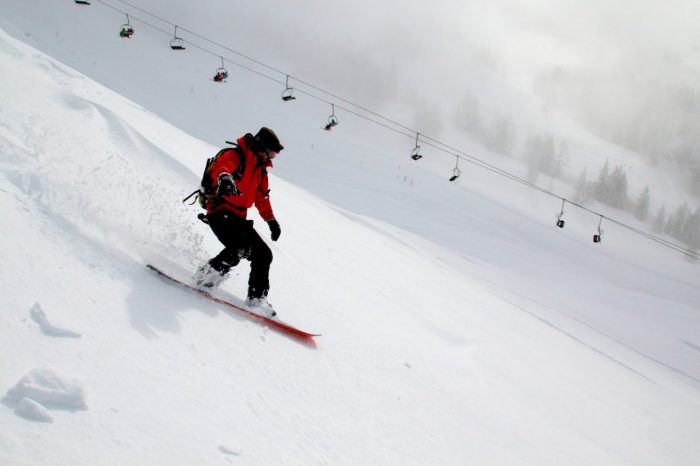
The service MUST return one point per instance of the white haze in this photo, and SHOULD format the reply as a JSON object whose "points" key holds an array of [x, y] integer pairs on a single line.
{"points": [[460, 326], [407, 58]]}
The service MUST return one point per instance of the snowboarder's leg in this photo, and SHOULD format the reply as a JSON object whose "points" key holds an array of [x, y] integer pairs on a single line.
{"points": [[233, 233], [260, 260], [225, 260]]}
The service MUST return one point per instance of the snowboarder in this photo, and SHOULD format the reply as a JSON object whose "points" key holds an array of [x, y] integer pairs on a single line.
{"points": [[239, 178]]}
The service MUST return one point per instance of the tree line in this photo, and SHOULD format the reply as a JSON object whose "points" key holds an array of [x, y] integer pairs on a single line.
{"points": [[544, 154]]}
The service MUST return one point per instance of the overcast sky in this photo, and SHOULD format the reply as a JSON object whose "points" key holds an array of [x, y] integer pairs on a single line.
{"points": [[518, 35], [379, 52]]}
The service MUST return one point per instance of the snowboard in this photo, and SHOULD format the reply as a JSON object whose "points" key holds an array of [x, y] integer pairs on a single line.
{"points": [[272, 322]]}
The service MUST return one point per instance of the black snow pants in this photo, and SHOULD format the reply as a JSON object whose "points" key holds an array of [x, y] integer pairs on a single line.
{"points": [[241, 241]]}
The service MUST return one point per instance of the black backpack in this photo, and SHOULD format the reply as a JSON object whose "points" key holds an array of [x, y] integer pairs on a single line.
{"points": [[206, 189]]}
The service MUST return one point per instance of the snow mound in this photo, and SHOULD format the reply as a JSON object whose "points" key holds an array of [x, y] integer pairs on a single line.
{"points": [[46, 327], [30, 409], [46, 387], [229, 450]]}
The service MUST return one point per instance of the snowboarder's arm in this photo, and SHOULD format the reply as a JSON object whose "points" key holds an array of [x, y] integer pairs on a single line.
{"points": [[262, 200], [226, 163]]}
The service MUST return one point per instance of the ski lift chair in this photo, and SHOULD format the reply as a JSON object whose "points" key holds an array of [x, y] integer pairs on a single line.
{"points": [[288, 92], [177, 43], [332, 120], [599, 237], [560, 221], [415, 152], [126, 31], [221, 73], [456, 171]]}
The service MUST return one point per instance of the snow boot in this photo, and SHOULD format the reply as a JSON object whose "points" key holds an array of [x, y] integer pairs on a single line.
{"points": [[208, 277], [261, 306]]}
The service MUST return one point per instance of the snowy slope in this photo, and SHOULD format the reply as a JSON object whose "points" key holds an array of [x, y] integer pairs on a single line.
{"points": [[528, 345]]}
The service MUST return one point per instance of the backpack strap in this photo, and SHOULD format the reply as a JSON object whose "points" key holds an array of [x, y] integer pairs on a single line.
{"points": [[196, 191], [238, 174], [205, 186]]}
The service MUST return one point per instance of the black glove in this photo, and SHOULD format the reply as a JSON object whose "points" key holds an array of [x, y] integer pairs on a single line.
{"points": [[275, 230], [227, 185]]}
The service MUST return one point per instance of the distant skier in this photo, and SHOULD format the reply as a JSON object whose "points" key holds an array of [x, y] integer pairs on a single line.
{"points": [[239, 180]]}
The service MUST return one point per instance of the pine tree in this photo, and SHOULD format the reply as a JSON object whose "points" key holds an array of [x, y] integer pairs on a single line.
{"points": [[547, 159], [601, 188], [611, 188], [676, 221], [641, 209], [469, 116], [533, 151], [501, 134], [618, 188], [692, 230], [562, 157], [543, 155], [695, 179], [660, 220], [582, 194]]}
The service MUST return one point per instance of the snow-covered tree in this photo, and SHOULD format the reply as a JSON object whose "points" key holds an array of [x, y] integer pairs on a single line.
{"points": [[544, 155], [691, 231], [611, 188], [583, 190], [659, 222], [641, 208], [617, 190], [501, 134], [694, 171], [468, 116], [676, 221], [600, 189]]}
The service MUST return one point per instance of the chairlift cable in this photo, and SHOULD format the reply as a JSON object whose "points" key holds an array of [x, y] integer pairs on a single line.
{"points": [[265, 65], [192, 44], [387, 122]]}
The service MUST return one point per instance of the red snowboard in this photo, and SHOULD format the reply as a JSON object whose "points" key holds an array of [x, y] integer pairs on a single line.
{"points": [[270, 322]]}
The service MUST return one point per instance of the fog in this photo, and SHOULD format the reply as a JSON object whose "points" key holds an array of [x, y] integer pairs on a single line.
{"points": [[628, 71], [500, 80], [606, 64]]}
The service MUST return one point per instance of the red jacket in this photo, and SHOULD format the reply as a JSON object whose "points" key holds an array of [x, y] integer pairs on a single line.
{"points": [[253, 183]]}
